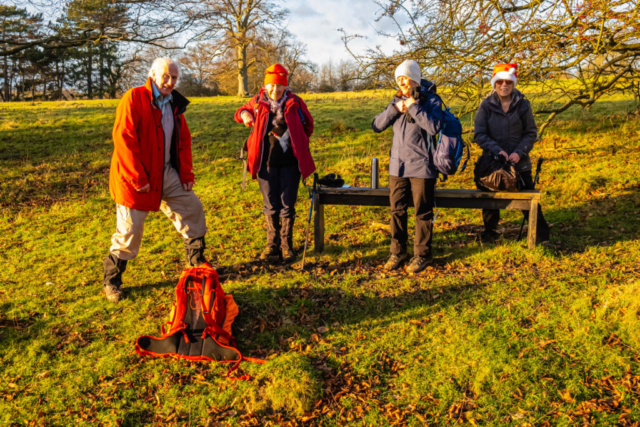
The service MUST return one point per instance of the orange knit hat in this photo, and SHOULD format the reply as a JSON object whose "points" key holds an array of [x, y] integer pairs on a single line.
{"points": [[276, 74], [505, 72]]}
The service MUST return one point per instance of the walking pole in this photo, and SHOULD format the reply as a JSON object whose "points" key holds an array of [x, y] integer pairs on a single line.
{"points": [[243, 151], [306, 237]]}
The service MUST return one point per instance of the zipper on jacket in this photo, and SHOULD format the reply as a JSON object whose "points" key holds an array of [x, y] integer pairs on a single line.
{"points": [[176, 132], [155, 121], [301, 124]]}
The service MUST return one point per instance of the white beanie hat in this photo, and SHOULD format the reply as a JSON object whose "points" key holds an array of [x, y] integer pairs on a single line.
{"points": [[411, 69]]}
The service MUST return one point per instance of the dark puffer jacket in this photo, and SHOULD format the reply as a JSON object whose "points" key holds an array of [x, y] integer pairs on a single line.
{"points": [[410, 153], [514, 131]]}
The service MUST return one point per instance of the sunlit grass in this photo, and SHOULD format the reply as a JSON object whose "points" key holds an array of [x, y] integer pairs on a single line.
{"points": [[497, 334]]}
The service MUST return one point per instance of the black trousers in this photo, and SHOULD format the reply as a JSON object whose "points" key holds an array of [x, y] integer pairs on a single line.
{"points": [[491, 217], [423, 193], [279, 188]]}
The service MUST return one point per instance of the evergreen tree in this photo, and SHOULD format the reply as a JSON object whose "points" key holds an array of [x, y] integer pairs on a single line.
{"points": [[16, 25]]}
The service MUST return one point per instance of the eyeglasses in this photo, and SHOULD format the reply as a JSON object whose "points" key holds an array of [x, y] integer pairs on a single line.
{"points": [[504, 82]]}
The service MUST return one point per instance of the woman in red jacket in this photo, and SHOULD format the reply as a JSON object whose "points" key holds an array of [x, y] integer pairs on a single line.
{"points": [[278, 155]]}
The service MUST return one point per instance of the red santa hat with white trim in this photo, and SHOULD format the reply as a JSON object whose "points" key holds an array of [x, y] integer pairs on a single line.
{"points": [[505, 72]]}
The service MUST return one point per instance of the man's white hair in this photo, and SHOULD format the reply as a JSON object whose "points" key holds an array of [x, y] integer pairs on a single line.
{"points": [[160, 64]]}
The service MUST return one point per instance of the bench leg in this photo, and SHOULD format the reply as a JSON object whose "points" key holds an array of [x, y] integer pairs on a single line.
{"points": [[318, 226], [533, 224]]}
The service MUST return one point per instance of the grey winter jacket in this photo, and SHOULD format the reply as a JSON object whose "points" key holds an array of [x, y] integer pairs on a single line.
{"points": [[410, 154], [514, 131]]}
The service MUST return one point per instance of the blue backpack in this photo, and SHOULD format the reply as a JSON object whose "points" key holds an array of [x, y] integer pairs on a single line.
{"points": [[450, 146]]}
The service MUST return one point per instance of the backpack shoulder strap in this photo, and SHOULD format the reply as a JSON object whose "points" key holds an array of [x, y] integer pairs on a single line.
{"points": [[296, 101], [210, 288]]}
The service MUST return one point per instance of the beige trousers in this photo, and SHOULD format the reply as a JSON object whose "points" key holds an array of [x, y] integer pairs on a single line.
{"points": [[182, 207]]}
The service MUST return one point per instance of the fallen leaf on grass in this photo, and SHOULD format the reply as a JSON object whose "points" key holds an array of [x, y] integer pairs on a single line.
{"points": [[566, 396], [323, 329]]}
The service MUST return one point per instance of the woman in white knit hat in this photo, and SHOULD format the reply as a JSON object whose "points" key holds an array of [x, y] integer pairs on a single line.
{"points": [[416, 116], [505, 126]]}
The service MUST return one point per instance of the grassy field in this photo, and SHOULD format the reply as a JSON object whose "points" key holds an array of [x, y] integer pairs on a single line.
{"points": [[491, 335]]}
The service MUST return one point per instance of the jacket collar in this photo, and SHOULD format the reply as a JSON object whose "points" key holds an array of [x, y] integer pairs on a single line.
{"points": [[494, 100], [178, 101], [262, 99]]}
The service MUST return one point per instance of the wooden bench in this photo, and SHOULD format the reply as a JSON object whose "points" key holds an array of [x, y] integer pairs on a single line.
{"points": [[445, 198]]}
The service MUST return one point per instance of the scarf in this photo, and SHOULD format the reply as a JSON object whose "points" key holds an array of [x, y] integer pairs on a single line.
{"points": [[277, 107]]}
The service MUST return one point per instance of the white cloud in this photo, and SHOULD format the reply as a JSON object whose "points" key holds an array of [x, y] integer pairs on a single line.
{"points": [[304, 10], [316, 24]]}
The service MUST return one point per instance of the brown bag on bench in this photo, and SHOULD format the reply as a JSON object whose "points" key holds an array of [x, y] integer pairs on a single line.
{"points": [[495, 173]]}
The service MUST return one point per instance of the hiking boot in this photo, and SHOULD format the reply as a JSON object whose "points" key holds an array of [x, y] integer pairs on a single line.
{"points": [[489, 236], [113, 269], [114, 293], [272, 252], [286, 237], [395, 261], [419, 263], [194, 249]]}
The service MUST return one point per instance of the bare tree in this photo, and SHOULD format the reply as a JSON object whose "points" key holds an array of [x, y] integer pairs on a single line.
{"points": [[199, 71], [144, 21], [236, 25], [574, 51]]}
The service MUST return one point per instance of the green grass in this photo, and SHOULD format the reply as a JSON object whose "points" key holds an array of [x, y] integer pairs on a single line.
{"points": [[491, 335]]}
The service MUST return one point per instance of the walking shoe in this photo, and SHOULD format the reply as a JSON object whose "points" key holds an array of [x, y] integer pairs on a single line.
{"points": [[419, 263], [270, 254], [114, 293], [289, 255], [112, 281], [395, 261]]}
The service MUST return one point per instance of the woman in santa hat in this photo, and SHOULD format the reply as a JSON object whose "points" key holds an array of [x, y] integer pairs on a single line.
{"points": [[505, 126], [277, 156]]}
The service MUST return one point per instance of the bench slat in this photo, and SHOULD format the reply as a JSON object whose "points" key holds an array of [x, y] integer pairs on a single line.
{"points": [[440, 192], [441, 202]]}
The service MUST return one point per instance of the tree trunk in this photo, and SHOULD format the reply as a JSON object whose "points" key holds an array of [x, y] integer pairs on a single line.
{"points": [[101, 73], [58, 80], [61, 81], [89, 72], [243, 78], [7, 86], [44, 90]]}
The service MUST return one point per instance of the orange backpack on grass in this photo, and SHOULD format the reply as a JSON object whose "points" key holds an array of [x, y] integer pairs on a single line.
{"points": [[201, 325]]}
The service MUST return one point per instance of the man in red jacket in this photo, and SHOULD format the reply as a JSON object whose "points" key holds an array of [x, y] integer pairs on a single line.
{"points": [[151, 169]]}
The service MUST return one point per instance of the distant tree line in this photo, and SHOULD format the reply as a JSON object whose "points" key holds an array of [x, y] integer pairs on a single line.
{"points": [[86, 50], [97, 49]]}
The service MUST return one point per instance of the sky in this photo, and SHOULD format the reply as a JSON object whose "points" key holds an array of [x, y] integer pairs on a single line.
{"points": [[315, 23]]}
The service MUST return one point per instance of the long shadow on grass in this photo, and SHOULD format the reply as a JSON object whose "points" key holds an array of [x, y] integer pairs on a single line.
{"points": [[598, 222], [270, 316]]}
